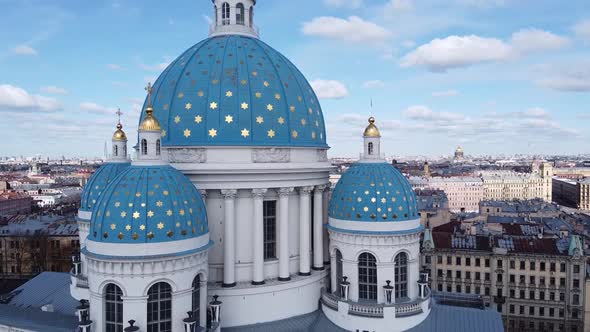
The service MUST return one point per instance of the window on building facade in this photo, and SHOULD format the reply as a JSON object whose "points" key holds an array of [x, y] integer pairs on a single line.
{"points": [[521, 310], [478, 290], [240, 14], [449, 260], [487, 291], [542, 281], [458, 261], [576, 268], [367, 267], [552, 267], [576, 299], [499, 277], [487, 262], [562, 267], [467, 275], [512, 293], [439, 259], [541, 295], [269, 209], [561, 282], [487, 276], [159, 308], [338, 270], [477, 262], [532, 280], [113, 308], [477, 275], [499, 263], [467, 289], [512, 278], [522, 265], [440, 287], [532, 266], [158, 147], [439, 273], [532, 294], [512, 264], [225, 13], [531, 310], [458, 274], [576, 283], [143, 147], [511, 309], [542, 266], [467, 261], [561, 297], [401, 275]]}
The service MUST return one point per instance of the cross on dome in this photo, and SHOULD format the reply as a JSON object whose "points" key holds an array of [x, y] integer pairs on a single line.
{"points": [[233, 17]]}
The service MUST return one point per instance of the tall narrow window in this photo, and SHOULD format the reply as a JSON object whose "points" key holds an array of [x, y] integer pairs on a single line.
{"points": [[367, 277], [338, 271], [225, 13], [115, 150], [125, 151], [197, 297], [251, 16], [143, 147], [159, 308], [216, 14], [270, 229], [240, 14], [401, 276], [370, 148], [158, 145], [113, 308]]}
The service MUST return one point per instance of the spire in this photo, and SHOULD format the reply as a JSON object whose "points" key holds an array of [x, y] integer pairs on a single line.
{"points": [[233, 17], [119, 134]]}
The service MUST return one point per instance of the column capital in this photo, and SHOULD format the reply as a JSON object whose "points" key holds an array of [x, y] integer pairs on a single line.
{"points": [[203, 192], [305, 190], [229, 193], [259, 193], [320, 188], [286, 191]]}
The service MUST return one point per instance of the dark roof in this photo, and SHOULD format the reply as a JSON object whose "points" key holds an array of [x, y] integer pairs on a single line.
{"points": [[47, 288], [444, 318]]}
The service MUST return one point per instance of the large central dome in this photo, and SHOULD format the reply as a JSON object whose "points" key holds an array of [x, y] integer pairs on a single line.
{"points": [[235, 90]]}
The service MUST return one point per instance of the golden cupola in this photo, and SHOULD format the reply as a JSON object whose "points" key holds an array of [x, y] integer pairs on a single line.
{"points": [[372, 130], [150, 123], [119, 134]]}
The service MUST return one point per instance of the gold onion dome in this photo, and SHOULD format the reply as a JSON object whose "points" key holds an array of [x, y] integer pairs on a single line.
{"points": [[119, 135], [372, 130], [150, 123]]}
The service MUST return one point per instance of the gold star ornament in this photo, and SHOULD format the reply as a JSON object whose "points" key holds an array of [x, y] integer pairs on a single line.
{"points": [[259, 120], [229, 119], [187, 133], [213, 132], [245, 133], [244, 106], [213, 105], [188, 106], [271, 133]]}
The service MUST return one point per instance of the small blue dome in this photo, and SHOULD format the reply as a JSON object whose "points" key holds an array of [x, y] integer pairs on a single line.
{"points": [[147, 204], [98, 182], [374, 192], [236, 91]]}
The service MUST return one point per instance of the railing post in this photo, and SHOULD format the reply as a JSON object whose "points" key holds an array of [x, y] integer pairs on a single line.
{"points": [[388, 292], [344, 288]]}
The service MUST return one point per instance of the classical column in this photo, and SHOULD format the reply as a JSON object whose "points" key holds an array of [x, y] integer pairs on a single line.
{"points": [[333, 282], [258, 237], [203, 303], [318, 228], [304, 231], [284, 233], [229, 238]]}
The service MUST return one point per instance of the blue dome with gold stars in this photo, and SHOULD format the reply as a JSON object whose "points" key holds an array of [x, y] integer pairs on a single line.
{"points": [[235, 90], [97, 183], [375, 192], [149, 204]]}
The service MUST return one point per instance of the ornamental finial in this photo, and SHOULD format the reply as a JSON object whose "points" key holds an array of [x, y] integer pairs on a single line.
{"points": [[149, 90], [119, 113]]}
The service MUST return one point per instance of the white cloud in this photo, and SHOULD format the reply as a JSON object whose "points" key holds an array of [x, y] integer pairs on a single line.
{"points": [[373, 84], [350, 4], [329, 89], [15, 98], [353, 29], [24, 50], [462, 51], [531, 40], [398, 5], [573, 83], [446, 93], [483, 3], [457, 51], [54, 90], [548, 125], [424, 113], [95, 108], [582, 29], [408, 43], [535, 112], [114, 66]]}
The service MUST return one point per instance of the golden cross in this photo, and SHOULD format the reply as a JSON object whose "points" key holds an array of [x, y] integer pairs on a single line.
{"points": [[149, 89], [119, 113]]}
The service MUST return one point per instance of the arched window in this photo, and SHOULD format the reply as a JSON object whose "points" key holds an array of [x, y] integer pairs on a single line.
{"points": [[401, 276], [367, 277], [158, 145], [197, 297], [125, 150], [251, 16], [159, 308], [115, 150], [338, 271], [216, 14], [143, 147], [240, 14], [225, 13], [370, 148], [113, 308]]}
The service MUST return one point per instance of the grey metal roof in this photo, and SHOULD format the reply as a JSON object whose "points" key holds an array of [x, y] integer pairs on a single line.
{"points": [[46, 288], [313, 322], [36, 320]]}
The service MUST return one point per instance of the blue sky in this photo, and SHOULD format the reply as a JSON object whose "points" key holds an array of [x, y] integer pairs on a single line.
{"points": [[496, 76]]}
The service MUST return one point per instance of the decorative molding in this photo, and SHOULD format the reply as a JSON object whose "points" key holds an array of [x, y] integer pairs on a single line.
{"points": [[286, 191], [304, 191], [320, 189], [259, 193], [271, 155], [203, 193], [187, 155], [322, 155], [229, 194]]}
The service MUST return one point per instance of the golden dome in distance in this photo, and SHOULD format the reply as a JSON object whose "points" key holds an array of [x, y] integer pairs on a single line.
{"points": [[119, 135], [150, 123], [372, 130]]}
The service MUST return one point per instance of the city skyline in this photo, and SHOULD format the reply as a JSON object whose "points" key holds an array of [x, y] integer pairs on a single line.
{"points": [[466, 73]]}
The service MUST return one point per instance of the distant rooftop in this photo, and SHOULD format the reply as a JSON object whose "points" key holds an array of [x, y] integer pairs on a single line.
{"points": [[52, 225]]}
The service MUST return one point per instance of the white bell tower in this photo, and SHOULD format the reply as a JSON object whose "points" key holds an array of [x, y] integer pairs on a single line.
{"points": [[233, 17], [150, 137], [372, 143], [119, 143]]}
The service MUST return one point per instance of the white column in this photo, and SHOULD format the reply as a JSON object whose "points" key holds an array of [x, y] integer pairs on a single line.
{"points": [[134, 307], [318, 228], [258, 238], [333, 282], [229, 238], [304, 231], [203, 303], [284, 194], [181, 304]]}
